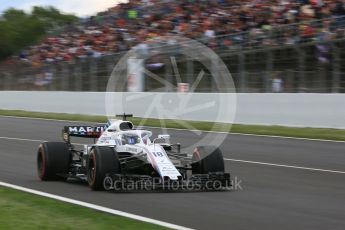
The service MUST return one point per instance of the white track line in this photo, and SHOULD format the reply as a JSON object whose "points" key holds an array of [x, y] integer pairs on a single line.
{"points": [[21, 139], [95, 207], [282, 137], [45, 119], [285, 166], [31, 140], [239, 134]]}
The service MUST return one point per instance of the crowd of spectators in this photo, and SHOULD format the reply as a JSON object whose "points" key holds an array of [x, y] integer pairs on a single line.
{"points": [[225, 24]]}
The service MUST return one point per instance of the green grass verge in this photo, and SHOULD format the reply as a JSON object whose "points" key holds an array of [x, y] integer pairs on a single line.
{"points": [[316, 133], [21, 210]]}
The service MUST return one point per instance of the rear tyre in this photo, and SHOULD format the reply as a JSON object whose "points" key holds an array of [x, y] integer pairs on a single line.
{"points": [[102, 161], [207, 159], [53, 161]]}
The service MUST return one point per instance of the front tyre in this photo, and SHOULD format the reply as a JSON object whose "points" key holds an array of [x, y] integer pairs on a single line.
{"points": [[53, 160], [102, 161], [207, 159]]}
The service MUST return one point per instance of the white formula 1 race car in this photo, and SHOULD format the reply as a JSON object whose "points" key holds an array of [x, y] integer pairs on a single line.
{"points": [[123, 156]]}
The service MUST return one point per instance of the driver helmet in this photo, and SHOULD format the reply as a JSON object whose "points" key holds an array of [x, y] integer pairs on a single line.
{"points": [[130, 139]]}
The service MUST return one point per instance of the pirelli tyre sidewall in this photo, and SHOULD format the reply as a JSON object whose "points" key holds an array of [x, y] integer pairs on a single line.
{"points": [[53, 160], [102, 161], [207, 159]]}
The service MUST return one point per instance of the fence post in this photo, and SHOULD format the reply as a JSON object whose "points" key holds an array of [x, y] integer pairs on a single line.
{"points": [[241, 72], [110, 65], [215, 70], [8, 80], [190, 71], [93, 78], [78, 75], [2, 79], [335, 69], [269, 70], [51, 70], [65, 76], [168, 75], [301, 69]]}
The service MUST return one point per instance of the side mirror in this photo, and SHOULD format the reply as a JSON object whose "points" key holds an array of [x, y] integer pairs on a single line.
{"points": [[164, 136]]}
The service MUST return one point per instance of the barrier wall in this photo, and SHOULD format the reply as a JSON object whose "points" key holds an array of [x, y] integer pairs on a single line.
{"points": [[303, 110]]}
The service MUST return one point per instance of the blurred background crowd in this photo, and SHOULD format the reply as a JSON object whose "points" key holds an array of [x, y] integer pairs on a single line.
{"points": [[291, 45], [218, 23]]}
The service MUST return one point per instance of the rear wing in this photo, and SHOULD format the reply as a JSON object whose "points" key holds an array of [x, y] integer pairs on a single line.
{"points": [[82, 131]]}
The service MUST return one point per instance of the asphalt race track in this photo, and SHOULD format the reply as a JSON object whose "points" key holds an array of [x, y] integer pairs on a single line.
{"points": [[272, 196]]}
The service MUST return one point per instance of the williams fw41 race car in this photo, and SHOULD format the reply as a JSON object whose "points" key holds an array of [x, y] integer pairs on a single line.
{"points": [[124, 158]]}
